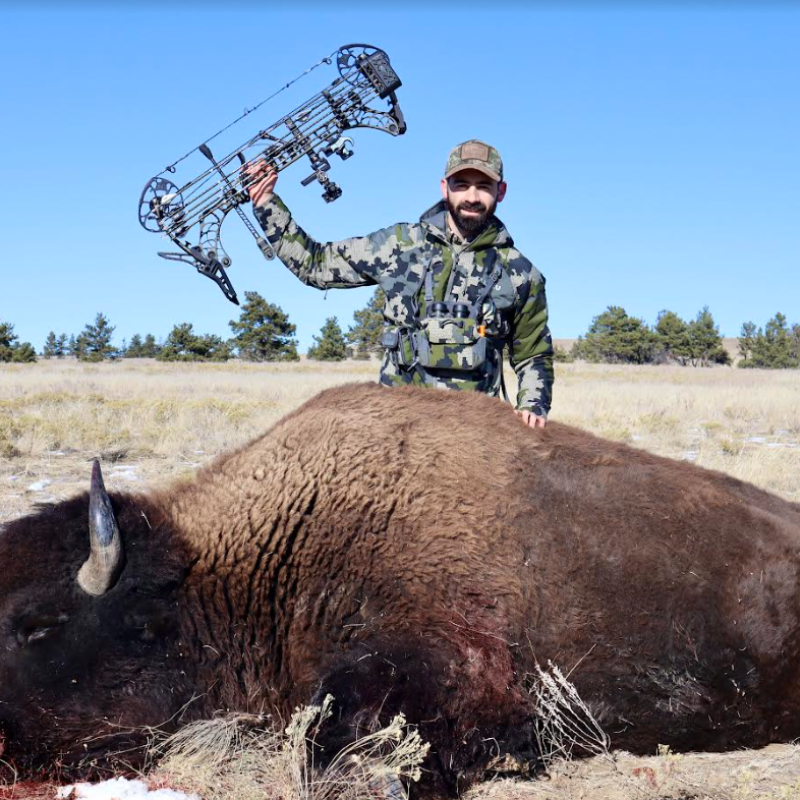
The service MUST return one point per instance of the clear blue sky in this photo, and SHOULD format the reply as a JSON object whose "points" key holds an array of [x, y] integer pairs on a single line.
{"points": [[652, 151]]}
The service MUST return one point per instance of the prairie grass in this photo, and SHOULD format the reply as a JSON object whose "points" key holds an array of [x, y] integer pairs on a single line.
{"points": [[146, 408], [742, 422]]}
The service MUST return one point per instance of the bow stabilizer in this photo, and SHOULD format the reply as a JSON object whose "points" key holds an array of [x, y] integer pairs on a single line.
{"points": [[315, 130]]}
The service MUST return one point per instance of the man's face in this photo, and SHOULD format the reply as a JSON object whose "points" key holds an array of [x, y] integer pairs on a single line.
{"points": [[472, 198]]}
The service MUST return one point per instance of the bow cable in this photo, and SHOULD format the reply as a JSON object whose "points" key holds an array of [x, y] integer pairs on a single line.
{"points": [[327, 60]]}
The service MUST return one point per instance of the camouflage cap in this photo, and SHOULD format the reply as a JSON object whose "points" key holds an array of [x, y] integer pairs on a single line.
{"points": [[475, 154]]}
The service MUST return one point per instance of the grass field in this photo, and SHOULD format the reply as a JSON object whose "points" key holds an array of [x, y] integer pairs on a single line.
{"points": [[151, 422]]}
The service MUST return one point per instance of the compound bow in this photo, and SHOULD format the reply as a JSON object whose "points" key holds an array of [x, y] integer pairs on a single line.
{"points": [[314, 129]]}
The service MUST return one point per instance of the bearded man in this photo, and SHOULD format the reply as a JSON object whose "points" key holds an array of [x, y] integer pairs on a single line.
{"points": [[457, 290]]}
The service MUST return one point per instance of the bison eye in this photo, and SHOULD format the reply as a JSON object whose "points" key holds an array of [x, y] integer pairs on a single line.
{"points": [[33, 628]]}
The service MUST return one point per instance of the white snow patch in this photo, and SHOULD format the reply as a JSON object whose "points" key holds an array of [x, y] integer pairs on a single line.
{"points": [[763, 440], [39, 486], [128, 472], [120, 789], [13, 477]]}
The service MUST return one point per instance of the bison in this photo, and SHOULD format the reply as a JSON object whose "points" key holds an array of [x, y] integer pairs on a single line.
{"points": [[408, 551]]}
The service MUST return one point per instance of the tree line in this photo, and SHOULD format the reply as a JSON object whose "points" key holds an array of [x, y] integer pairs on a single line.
{"points": [[264, 332], [616, 337]]}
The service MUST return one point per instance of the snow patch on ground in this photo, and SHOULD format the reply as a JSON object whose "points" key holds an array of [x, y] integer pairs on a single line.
{"points": [[127, 472], [39, 486], [763, 440], [120, 789]]}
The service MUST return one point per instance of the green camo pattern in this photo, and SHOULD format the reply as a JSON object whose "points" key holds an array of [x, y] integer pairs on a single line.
{"points": [[457, 331], [395, 258]]}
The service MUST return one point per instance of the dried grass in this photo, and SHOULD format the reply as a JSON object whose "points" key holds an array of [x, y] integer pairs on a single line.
{"points": [[240, 757], [565, 722]]}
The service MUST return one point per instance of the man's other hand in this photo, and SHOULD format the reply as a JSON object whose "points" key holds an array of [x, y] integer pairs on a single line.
{"points": [[530, 419], [264, 177]]}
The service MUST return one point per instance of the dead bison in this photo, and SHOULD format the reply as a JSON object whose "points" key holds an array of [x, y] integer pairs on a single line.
{"points": [[414, 551]]}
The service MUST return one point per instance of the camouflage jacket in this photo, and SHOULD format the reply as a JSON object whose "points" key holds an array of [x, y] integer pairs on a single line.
{"points": [[396, 258]]}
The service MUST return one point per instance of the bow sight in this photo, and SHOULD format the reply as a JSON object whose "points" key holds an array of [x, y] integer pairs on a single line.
{"points": [[314, 129]]}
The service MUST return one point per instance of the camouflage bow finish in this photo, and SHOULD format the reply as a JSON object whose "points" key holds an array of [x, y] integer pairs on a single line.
{"points": [[315, 130]]}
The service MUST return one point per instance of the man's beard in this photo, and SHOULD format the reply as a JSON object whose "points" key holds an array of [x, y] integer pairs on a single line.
{"points": [[470, 223]]}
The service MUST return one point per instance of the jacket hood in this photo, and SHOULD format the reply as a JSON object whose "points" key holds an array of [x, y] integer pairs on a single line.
{"points": [[494, 234]]}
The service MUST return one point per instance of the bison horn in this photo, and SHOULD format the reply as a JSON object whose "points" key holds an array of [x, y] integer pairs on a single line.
{"points": [[100, 571]]}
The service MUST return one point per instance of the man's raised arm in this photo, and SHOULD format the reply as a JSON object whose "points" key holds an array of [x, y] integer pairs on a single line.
{"points": [[350, 262]]}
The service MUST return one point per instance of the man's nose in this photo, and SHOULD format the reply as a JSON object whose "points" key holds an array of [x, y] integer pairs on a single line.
{"points": [[473, 195]]}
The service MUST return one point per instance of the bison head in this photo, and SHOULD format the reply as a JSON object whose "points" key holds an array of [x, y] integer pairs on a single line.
{"points": [[90, 650]]}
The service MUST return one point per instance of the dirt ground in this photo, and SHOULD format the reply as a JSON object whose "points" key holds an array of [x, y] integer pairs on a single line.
{"points": [[772, 773]]}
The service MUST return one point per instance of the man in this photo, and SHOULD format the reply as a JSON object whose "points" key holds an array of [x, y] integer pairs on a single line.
{"points": [[457, 291]]}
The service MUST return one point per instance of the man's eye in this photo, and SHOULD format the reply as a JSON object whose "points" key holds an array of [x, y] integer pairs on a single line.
{"points": [[31, 629]]}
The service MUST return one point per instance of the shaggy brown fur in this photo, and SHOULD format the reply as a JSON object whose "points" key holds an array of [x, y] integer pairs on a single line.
{"points": [[418, 551]]}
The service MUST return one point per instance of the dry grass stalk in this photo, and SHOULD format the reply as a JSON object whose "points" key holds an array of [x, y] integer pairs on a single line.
{"points": [[565, 722], [240, 757]]}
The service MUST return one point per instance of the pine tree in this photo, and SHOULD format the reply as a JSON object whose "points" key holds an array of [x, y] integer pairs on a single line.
{"points": [[11, 349], [365, 333], [95, 340], [705, 342], [330, 344], [180, 344], [210, 347], [24, 354], [615, 337], [150, 349], [8, 341], [747, 339], [776, 346], [50, 345], [263, 331], [778, 335], [134, 349], [73, 348], [673, 336], [183, 344], [61, 345]]}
